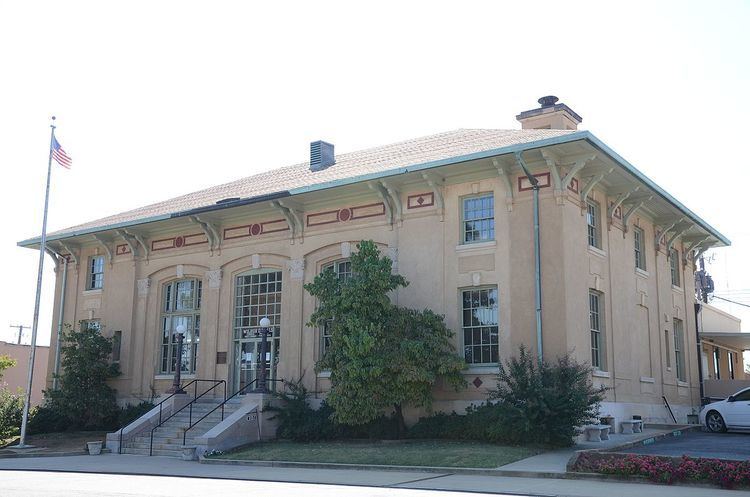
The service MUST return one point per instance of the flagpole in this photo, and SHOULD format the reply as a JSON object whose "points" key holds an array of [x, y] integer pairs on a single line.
{"points": [[35, 323]]}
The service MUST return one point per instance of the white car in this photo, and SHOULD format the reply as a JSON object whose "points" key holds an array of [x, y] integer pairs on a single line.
{"points": [[730, 413]]}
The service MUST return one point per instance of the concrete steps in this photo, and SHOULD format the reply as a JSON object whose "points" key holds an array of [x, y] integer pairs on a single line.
{"points": [[167, 439]]}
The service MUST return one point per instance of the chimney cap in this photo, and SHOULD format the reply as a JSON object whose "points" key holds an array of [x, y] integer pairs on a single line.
{"points": [[548, 101], [550, 115]]}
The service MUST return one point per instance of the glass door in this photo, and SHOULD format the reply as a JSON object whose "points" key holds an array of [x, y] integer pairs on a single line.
{"points": [[257, 295]]}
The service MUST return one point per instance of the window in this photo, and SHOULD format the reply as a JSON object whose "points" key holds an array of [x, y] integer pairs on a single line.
{"points": [[480, 325], [667, 354], [679, 349], [743, 396], [91, 325], [96, 273], [730, 360], [596, 324], [640, 255], [717, 364], [478, 219], [181, 306], [258, 296], [342, 269], [116, 346], [593, 219], [674, 266]]}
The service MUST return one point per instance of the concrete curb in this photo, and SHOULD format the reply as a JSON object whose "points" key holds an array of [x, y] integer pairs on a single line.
{"points": [[21, 455]]}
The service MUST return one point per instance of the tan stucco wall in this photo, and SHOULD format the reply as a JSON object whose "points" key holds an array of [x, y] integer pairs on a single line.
{"points": [[17, 377], [640, 305], [713, 319]]}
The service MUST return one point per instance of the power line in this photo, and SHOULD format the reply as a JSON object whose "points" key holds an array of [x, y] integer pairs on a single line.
{"points": [[731, 301]]}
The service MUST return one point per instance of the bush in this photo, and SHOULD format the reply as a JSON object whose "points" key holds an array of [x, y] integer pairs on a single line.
{"points": [[537, 403], [131, 412], [11, 412]]}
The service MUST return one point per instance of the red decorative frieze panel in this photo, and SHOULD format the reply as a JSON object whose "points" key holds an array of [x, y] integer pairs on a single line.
{"points": [[524, 184], [122, 249], [256, 229], [179, 241], [573, 185], [420, 200], [346, 214]]}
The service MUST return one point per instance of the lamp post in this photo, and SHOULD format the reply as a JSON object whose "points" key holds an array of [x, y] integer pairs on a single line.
{"points": [[180, 329], [263, 332]]}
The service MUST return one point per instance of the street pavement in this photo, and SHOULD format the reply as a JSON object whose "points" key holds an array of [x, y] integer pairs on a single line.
{"points": [[699, 444], [113, 475]]}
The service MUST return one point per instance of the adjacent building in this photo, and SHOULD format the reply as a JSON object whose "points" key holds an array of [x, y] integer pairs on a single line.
{"points": [[454, 211], [16, 378]]}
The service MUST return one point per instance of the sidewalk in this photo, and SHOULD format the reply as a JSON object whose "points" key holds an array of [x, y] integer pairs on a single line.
{"points": [[164, 466]]}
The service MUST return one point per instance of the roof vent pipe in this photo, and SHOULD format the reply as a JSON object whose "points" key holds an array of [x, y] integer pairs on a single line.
{"points": [[321, 155]]}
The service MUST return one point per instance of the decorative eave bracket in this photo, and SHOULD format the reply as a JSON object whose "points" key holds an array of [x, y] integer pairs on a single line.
{"points": [[108, 251], [620, 198], [677, 233], [504, 171], [666, 229], [130, 241], [693, 245], [435, 183], [212, 234], [383, 194], [562, 181], [293, 216], [54, 254], [395, 197], [70, 251], [590, 184], [631, 210], [140, 241]]}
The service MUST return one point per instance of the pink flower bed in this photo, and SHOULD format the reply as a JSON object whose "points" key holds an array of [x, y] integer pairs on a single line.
{"points": [[727, 474]]}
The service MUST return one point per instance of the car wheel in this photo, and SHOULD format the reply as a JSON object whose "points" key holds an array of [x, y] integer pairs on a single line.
{"points": [[715, 423]]}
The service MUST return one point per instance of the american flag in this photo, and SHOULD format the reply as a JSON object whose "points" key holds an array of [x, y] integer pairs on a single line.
{"points": [[59, 154]]}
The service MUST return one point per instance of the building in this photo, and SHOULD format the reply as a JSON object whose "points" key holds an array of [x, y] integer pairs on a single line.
{"points": [[455, 213], [17, 377], [722, 347]]}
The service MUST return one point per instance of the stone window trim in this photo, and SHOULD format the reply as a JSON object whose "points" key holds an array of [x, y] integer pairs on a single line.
{"points": [[639, 248], [478, 212]]}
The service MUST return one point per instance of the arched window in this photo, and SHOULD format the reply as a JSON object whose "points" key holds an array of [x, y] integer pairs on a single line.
{"points": [[343, 269], [181, 305]]}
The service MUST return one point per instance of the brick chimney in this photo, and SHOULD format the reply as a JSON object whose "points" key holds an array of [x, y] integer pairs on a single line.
{"points": [[550, 115]]}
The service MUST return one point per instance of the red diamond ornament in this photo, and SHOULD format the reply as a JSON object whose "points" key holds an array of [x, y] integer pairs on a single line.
{"points": [[477, 382]]}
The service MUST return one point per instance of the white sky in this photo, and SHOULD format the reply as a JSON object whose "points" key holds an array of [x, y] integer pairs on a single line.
{"points": [[157, 99]]}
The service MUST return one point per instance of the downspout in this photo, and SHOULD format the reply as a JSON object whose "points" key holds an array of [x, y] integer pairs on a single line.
{"points": [[697, 310], [56, 371], [537, 256]]}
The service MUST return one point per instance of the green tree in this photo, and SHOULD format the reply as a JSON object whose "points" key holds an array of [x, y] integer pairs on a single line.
{"points": [[380, 356], [83, 401], [6, 362]]}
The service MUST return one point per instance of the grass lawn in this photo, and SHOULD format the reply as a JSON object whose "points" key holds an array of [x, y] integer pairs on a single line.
{"points": [[402, 453]]}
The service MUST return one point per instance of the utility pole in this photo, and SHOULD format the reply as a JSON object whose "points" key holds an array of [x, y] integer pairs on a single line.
{"points": [[20, 331]]}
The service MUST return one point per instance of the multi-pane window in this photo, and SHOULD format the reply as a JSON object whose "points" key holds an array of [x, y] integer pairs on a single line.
{"points": [[730, 362], [640, 255], [674, 266], [342, 269], [91, 325], [478, 219], [258, 295], [679, 348], [596, 325], [480, 325], [593, 220], [667, 354], [181, 306], [95, 278]]}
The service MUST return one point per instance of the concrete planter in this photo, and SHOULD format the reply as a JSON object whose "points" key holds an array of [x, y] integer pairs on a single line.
{"points": [[95, 448], [188, 453]]}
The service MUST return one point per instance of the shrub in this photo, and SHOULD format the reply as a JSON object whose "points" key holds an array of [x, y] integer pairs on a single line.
{"points": [[11, 411], [131, 412]]}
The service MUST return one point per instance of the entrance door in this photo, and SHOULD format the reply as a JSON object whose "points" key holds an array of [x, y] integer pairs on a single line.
{"points": [[257, 295]]}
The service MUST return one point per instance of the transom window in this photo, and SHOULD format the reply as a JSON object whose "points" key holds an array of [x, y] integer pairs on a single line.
{"points": [[343, 269], [181, 306], [640, 256], [258, 295], [95, 279], [480, 325], [478, 218], [596, 324], [593, 220], [674, 266], [679, 349]]}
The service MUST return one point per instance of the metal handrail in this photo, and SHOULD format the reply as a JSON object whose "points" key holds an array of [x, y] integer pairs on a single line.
{"points": [[189, 404], [159, 405], [238, 392]]}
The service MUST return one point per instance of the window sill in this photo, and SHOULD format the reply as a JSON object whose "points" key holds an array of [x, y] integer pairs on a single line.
{"points": [[677, 289], [171, 376], [95, 291], [324, 374], [647, 379], [488, 369], [470, 247], [598, 373], [597, 251], [641, 272], [682, 383]]}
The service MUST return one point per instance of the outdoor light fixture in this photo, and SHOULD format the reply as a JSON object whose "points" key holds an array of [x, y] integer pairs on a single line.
{"points": [[263, 332], [180, 330]]}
